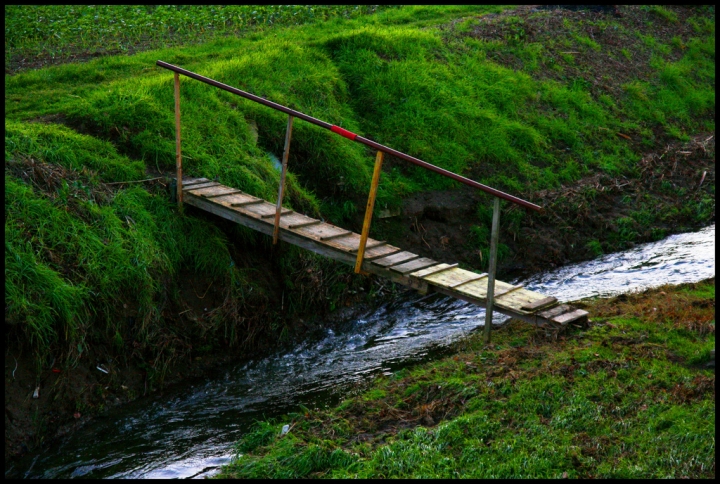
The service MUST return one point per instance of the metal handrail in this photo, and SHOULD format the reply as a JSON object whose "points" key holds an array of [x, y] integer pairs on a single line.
{"points": [[352, 136]]}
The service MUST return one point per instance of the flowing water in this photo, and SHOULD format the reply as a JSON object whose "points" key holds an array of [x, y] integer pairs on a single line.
{"points": [[191, 431]]}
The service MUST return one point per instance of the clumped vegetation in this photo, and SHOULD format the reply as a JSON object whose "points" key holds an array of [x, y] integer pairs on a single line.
{"points": [[630, 396]]}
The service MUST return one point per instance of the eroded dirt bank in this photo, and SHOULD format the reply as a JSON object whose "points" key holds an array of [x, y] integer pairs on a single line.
{"points": [[597, 214]]}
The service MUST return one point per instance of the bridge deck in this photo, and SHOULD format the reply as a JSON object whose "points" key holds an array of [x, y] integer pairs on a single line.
{"points": [[382, 259]]}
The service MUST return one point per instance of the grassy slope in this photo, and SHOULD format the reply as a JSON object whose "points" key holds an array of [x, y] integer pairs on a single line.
{"points": [[629, 397], [80, 251]]}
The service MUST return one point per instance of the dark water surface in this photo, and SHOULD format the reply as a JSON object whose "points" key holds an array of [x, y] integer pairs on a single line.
{"points": [[191, 431]]}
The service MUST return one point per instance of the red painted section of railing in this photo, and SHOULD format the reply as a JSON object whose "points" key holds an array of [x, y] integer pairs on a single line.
{"points": [[352, 136], [343, 132]]}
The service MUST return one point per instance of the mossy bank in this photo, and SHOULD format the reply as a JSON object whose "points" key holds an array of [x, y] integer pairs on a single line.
{"points": [[605, 118]]}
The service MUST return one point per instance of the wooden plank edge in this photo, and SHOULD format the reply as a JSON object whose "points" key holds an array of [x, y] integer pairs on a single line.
{"points": [[472, 279], [268, 215], [570, 316], [335, 236], [396, 250], [508, 291], [201, 185], [408, 271], [539, 304], [195, 181], [304, 224], [218, 195], [249, 202], [374, 245], [409, 259], [422, 273]]}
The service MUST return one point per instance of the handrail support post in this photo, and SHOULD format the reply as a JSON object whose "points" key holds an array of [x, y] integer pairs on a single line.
{"points": [[491, 269], [369, 211], [281, 189], [178, 151]]}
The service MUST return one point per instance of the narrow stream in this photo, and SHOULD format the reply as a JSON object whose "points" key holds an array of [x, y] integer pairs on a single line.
{"points": [[191, 432]]}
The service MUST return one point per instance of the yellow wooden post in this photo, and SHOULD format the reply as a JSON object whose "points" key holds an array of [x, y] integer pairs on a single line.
{"points": [[178, 152], [281, 189], [368, 212]]}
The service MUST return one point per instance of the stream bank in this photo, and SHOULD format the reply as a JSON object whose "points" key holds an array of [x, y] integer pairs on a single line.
{"points": [[192, 429], [631, 395]]}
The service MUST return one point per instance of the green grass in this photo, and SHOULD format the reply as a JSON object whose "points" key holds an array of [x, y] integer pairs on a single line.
{"points": [[493, 109], [73, 259], [378, 81], [625, 398]]}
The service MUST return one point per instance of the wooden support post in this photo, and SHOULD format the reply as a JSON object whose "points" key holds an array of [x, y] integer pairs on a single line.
{"points": [[491, 270], [178, 152], [369, 212], [281, 189]]}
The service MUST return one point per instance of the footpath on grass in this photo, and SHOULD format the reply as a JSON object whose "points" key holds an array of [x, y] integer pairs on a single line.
{"points": [[632, 395]]}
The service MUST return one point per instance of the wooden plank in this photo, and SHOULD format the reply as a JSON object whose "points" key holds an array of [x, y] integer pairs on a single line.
{"points": [[335, 236], [479, 288], [540, 303], [266, 228], [519, 298], [372, 245], [476, 277], [286, 212], [194, 181], [380, 252], [202, 185], [260, 209], [413, 265], [433, 270], [397, 258], [210, 190], [448, 278], [556, 311], [349, 243], [507, 291], [304, 224], [231, 198], [293, 218], [388, 261], [249, 202], [317, 231], [214, 195], [570, 316]]}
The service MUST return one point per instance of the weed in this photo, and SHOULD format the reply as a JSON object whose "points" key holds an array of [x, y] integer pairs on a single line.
{"points": [[595, 248], [664, 13]]}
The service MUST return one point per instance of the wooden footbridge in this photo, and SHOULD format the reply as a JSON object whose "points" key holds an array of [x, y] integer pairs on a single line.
{"points": [[367, 255]]}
